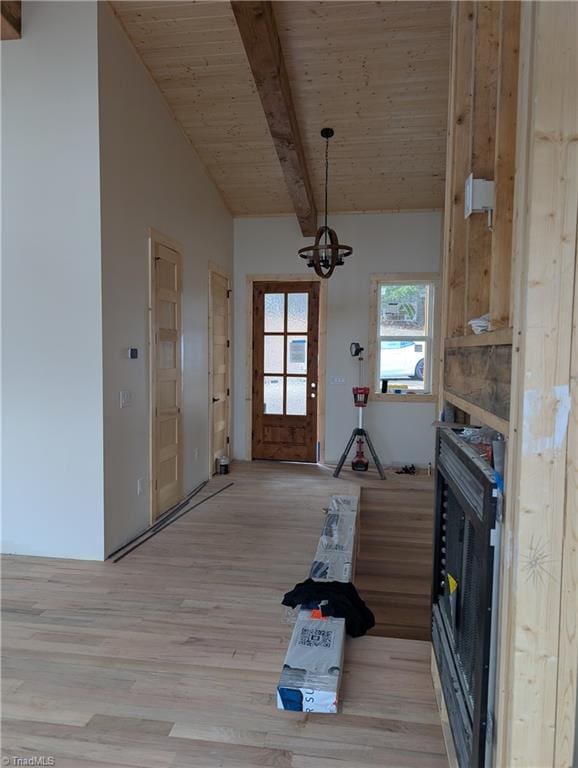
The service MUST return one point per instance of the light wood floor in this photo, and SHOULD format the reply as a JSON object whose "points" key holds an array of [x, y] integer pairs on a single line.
{"points": [[394, 566], [171, 657]]}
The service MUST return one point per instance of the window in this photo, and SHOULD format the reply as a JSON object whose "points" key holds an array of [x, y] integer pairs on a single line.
{"points": [[402, 331]]}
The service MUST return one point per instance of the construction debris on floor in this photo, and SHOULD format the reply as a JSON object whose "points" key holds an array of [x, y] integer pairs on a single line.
{"points": [[329, 607]]}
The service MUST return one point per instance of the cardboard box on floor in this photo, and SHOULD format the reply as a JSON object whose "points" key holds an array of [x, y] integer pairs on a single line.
{"points": [[312, 670], [313, 664]]}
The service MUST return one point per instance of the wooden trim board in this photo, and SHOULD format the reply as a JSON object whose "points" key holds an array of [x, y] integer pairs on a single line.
{"points": [[492, 338], [538, 616], [485, 417], [218, 270], [444, 717], [10, 20]]}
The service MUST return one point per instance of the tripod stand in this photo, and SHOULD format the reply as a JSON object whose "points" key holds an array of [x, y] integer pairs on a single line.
{"points": [[360, 396]]}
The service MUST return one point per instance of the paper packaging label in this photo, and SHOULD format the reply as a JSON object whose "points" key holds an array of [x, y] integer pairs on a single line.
{"points": [[318, 701], [315, 701]]}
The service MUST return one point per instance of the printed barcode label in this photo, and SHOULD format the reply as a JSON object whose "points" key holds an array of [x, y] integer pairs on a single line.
{"points": [[316, 638]]}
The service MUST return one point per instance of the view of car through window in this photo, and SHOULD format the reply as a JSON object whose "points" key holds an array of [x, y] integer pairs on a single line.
{"points": [[404, 336], [402, 359]]}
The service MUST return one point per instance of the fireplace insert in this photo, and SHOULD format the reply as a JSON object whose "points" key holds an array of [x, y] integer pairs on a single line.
{"points": [[464, 589]]}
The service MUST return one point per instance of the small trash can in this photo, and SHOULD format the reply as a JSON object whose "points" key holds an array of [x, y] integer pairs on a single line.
{"points": [[223, 465]]}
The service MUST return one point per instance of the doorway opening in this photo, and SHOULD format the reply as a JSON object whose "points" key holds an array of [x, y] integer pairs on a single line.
{"points": [[219, 366]]}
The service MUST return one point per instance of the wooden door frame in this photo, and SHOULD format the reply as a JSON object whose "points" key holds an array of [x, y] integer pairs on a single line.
{"points": [[216, 269], [322, 345], [156, 238]]}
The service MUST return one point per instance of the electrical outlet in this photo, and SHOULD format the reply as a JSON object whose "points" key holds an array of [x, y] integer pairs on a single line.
{"points": [[140, 486], [196, 454], [125, 398]]}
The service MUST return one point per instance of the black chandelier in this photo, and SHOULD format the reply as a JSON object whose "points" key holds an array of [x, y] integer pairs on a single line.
{"points": [[324, 256]]}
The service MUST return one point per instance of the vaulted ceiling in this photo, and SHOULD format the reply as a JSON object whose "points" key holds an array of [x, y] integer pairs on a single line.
{"points": [[377, 72]]}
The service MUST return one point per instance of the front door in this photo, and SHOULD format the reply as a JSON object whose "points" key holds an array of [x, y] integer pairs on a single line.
{"points": [[285, 352]]}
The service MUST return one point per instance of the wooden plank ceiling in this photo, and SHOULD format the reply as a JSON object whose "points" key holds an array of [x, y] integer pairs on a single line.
{"points": [[377, 72]]}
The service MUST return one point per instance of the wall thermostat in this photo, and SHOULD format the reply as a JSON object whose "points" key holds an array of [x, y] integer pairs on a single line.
{"points": [[132, 353]]}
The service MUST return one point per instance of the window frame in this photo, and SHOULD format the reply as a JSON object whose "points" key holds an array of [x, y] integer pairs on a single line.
{"points": [[403, 278]]}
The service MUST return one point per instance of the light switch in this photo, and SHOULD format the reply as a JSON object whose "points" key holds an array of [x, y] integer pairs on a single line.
{"points": [[125, 398]]}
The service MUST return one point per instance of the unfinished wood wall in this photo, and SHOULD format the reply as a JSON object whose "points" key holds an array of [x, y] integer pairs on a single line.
{"points": [[477, 257], [538, 629], [513, 118]]}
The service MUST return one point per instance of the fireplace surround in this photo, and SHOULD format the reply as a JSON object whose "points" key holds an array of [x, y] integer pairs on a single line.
{"points": [[464, 593]]}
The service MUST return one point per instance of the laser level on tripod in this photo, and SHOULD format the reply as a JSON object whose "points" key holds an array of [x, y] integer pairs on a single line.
{"points": [[359, 434]]}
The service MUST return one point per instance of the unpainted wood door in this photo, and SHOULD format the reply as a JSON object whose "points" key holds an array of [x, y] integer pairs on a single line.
{"points": [[166, 379], [285, 363], [219, 371]]}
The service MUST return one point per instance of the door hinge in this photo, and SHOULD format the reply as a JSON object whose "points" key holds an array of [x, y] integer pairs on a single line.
{"points": [[228, 392], [156, 485], [227, 439], [156, 411], [228, 343], [228, 293]]}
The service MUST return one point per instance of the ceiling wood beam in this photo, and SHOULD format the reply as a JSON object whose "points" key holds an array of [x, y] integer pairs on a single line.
{"points": [[258, 29], [10, 20]]}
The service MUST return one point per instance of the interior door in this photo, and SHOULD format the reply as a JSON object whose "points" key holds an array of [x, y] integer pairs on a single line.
{"points": [[219, 388], [285, 362], [166, 378]]}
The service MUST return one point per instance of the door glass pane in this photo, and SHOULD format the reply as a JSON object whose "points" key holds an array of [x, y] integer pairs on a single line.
{"points": [[296, 354], [274, 312], [273, 394], [273, 358], [296, 396], [297, 312], [403, 310]]}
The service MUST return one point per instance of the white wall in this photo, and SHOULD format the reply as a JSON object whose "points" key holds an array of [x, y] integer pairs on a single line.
{"points": [[150, 178], [52, 490], [397, 242]]}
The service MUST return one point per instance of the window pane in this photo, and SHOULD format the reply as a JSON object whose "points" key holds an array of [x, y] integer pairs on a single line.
{"points": [[296, 354], [273, 394], [297, 312], [274, 312], [403, 310], [296, 396], [404, 364], [273, 357]]}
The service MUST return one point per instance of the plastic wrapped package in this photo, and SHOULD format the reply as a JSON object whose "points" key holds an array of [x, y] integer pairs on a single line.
{"points": [[335, 553], [311, 673], [338, 534], [343, 504], [331, 566]]}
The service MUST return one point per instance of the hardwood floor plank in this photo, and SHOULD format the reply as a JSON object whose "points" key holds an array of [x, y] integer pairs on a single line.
{"points": [[170, 658], [394, 566]]}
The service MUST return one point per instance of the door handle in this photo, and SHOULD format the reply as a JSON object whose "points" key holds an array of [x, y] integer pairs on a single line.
{"points": [[215, 399]]}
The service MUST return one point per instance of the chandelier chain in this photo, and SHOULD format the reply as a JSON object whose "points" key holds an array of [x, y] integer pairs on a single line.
{"points": [[326, 180]]}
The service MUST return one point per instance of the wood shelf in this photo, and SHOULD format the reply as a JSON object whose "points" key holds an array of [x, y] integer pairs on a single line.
{"points": [[491, 338], [487, 418], [410, 397]]}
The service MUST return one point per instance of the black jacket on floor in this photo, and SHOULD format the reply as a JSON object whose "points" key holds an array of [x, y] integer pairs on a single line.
{"points": [[342, 602]]}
